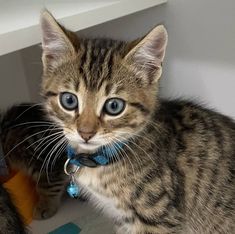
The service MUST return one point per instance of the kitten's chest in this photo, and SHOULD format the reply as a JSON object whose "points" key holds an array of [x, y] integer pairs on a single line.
{"points": [[101, 196]]}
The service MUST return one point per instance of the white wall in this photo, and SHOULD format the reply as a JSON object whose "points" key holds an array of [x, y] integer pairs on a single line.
{"points": [[201, 52], [200, 60], [13, 87]]}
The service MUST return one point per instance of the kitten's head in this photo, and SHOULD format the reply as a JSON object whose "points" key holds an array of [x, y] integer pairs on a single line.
{"points": [[100, 91]]}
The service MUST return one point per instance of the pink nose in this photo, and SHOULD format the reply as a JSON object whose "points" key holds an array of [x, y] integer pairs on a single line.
{"points": [[86, 135]]}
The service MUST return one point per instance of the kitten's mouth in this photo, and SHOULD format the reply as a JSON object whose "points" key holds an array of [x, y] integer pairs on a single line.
{"points": [[81, 146], [86, 147]]}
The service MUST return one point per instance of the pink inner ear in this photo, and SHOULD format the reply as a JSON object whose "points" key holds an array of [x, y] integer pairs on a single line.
{"points": [[47, 30], [156, 47], [151, 50], [148, 56], [53, 41]]}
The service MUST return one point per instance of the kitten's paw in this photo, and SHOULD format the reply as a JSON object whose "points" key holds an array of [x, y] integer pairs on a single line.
{"points": [[43, 210]]}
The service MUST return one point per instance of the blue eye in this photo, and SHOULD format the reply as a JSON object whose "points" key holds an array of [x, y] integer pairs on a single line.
{"points": [[114, 106], [68, 101]]}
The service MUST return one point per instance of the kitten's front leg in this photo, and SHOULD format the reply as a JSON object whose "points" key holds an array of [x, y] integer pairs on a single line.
{"points": [[50, 193]]}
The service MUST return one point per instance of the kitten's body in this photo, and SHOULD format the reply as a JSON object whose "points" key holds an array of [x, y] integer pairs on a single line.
{"points": [[28, 139], [185, 184], [175, 173]]}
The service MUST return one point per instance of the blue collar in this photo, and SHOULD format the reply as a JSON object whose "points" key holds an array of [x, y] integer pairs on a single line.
{"points": [[104, 156]]}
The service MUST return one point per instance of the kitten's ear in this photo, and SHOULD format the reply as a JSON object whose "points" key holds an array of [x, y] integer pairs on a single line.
{"points": [[147, 56], [55, 42]]}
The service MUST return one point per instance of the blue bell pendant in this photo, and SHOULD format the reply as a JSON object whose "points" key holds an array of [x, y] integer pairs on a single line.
{"points": [[73, 189]]}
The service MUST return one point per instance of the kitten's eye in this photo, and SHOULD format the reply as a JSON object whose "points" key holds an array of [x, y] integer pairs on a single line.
{"points": [[68, 101], [114, 106]]}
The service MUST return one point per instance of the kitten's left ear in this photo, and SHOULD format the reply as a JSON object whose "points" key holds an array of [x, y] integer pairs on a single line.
{"points": [[147, 56], [55, 42]]}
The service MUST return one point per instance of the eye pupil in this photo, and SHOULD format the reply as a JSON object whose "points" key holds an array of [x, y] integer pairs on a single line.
{"points": [[114, 105], [69, 99]]}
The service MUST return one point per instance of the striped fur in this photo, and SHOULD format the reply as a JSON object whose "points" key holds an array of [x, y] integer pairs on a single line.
{"points": [[10, 220], [33, 144], [175, 173]]}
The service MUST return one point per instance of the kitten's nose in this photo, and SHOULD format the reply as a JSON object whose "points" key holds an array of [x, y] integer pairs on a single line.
{"points": [[86, 135]]}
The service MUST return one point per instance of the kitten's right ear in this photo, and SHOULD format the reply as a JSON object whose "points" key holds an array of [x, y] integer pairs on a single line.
{"points": [[55, 43], [148, 54]]}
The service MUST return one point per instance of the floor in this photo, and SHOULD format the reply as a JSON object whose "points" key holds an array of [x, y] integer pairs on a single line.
{"points": [[81, 213]]}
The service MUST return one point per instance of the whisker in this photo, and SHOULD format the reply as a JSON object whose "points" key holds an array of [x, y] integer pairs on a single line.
{"points": [[31, 122], [59, 152], [56, 135], [38, 104], [44, 161], [41, 144], [124, 169], [37, 133], [50, 135], [126, 154], [41, 139], [54, 148], [139, 162], [36, 150]]}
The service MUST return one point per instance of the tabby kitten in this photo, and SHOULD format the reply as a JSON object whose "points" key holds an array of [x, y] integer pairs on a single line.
{"points": [[175, 172], [10, 221], [33, 144]]}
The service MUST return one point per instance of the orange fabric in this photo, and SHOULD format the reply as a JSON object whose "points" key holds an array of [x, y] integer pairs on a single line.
{"points": [[23, 194]]}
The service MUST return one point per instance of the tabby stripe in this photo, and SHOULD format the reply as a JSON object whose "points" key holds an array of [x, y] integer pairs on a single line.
{"points": [[84, 76], [110, 64], [139, 106], [102, 57], [154, 221], [178, 182], [76, 84], [109, 67], [153, 199], [108, 89], [50, 94], [88, 62], [53, 185], [84, 55], [83, 61], [202, 162], [215, 166], [148, 178], [92, 56], [199, 178]]}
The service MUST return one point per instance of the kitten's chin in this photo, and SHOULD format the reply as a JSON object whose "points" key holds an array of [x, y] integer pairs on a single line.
{"points": [[85, 147], [88, 147]]}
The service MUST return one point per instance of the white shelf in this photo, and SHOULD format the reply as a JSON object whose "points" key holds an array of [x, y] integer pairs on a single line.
{"points": [[19, 19]]}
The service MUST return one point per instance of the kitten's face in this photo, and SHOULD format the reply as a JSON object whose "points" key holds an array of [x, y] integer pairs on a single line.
{"points": [[97, 90]]}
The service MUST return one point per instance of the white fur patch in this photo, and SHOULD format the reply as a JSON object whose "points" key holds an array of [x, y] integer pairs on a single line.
{"points": [[105, 204]]}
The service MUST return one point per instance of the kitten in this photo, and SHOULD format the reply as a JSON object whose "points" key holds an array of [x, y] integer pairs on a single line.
{"points": [[33, 144], [10, 221], [175, 172]]}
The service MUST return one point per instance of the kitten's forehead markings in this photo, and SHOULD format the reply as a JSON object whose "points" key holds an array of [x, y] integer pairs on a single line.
{"points": [[102, 96], [82, 94], [100, 99]]}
